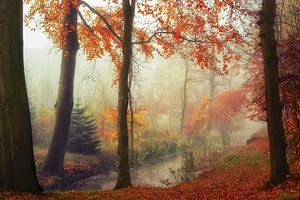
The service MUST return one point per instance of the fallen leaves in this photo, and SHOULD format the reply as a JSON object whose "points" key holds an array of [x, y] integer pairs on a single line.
{"points": [[73, 170], [239, 181]]}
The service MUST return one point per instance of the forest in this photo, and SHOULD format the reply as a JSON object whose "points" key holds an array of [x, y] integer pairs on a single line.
{"points": [[149, 99]]}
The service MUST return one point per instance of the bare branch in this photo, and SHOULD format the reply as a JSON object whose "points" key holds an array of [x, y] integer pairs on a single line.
{"points": [[168, 33], [108, 25], [85, 22]]}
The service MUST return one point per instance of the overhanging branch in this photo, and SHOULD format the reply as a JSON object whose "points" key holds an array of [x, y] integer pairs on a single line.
{"points": [[110, 28], [169, 33], [85, 22]]}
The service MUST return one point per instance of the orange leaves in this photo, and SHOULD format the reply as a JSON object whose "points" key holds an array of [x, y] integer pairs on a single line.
{"points": [[289, 90], [190, 27], [98, 40], [74, 3], [218, 4], [145, 8], [243, 176], [145, 48], [72, 169], [109, 118], [198, 31], [218, 112], [49, 16], [200, 22]]}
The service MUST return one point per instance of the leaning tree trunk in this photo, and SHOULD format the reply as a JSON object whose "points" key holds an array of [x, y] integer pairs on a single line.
{"points": [[55, 158], [123, 179], [279, 166], [17, 168]]}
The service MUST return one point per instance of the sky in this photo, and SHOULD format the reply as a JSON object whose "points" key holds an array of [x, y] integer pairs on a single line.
{"points": [[42, 64], [37, 39]]}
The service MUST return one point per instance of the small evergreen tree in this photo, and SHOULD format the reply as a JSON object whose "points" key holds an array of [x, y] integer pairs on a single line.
{"points": [[82, 137]]}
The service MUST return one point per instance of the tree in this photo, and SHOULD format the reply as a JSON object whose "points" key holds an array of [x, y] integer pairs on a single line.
{"points": [[173, 32], [108, 34], [184, 95], [54, 163], [279, 166], [33, 118], [218, 113], [108, 122], [44, 126], [17, 168], [82, 137], [287, 36]]}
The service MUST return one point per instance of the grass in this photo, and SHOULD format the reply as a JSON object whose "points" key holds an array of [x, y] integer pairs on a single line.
{"points": [[40, 155], [229, 162], [246, 172], [288, 196], [251, 158]]}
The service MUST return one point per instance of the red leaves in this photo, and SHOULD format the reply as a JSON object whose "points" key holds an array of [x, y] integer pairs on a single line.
{"points": [[72, 168], [220, 111], [242, 180], [289, 90]]}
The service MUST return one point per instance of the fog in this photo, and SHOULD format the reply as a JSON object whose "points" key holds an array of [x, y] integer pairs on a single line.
{"points": [[156, 81], [178, 107]]}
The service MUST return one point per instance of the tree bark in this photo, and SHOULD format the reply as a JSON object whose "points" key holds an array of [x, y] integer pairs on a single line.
{"points": [[212, 87], [279, 166], [17, 168], [54, 163], [212, 84], [184, 95], [123, 178]]}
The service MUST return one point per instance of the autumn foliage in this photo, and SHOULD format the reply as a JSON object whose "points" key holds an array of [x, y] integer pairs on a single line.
{"points": [[250, 167], [216, 113], [207, 33], [289, 90], [107, 123], [189, 27]]}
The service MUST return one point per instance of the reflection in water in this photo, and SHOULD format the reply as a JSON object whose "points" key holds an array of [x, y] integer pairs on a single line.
{"points": [[151, 174]]}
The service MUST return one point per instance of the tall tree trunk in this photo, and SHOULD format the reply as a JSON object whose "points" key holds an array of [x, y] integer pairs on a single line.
{"points": [[123, 179], [17, 168], [55, 159], [184, 95], [279, 166], [212, 86]]}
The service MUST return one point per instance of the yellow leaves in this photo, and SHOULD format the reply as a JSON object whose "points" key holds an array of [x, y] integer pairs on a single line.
{"points": [[109, 120], [111, 116]]}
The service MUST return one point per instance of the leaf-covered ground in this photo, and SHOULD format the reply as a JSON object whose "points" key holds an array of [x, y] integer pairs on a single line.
{"points": [[76, 167], [241, 175]]}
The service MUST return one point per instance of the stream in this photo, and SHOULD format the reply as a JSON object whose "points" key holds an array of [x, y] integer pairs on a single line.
{"points": [[156, 174]]}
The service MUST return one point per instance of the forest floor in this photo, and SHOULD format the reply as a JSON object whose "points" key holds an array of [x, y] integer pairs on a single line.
{"points": [[242, 175], [77, 167]]}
